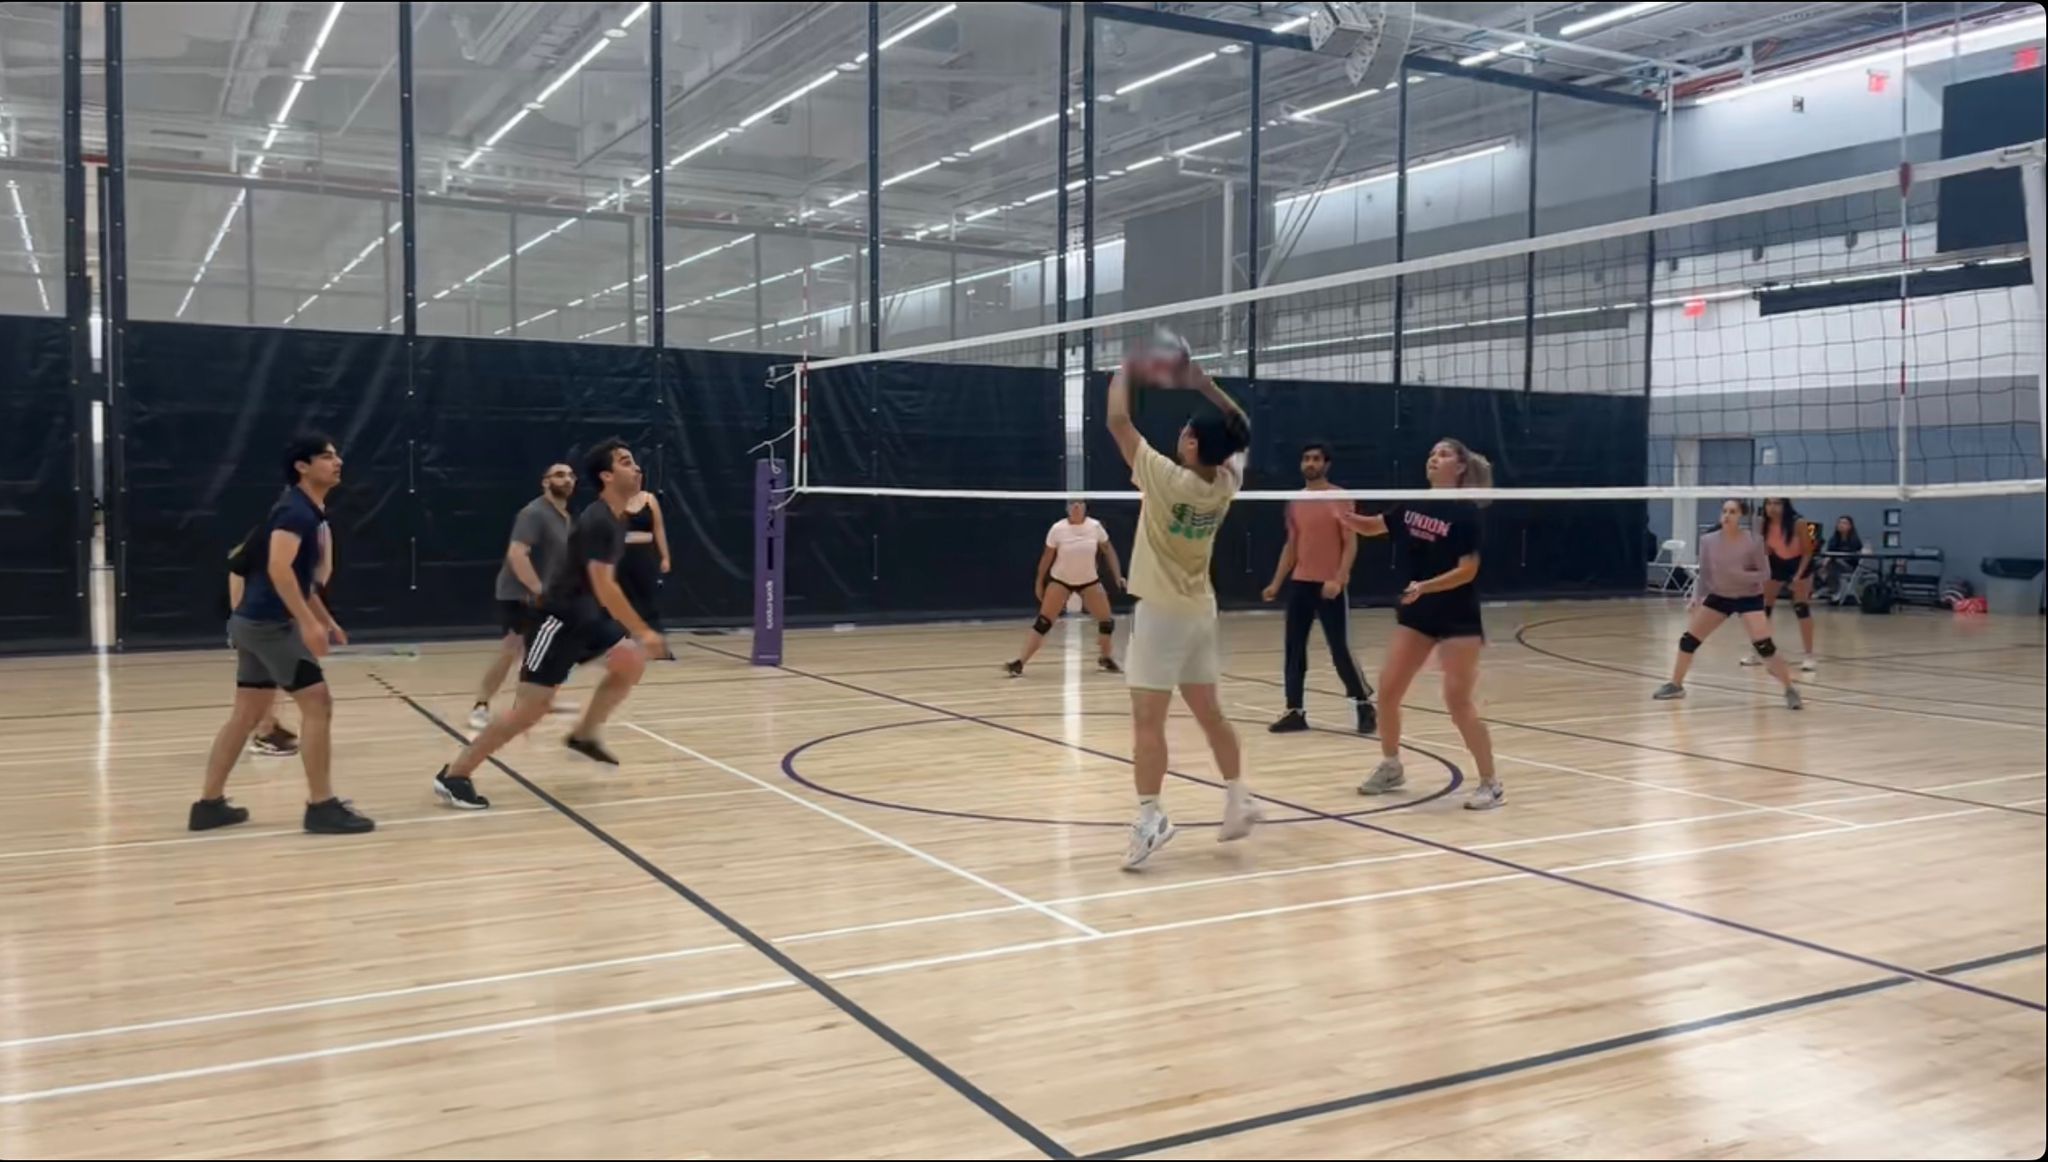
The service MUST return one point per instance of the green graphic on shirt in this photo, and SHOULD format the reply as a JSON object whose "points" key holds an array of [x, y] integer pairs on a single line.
{"points": [[1191, 523]]}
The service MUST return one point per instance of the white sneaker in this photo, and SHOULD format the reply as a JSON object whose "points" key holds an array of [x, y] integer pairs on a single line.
{"points": [[479, 718], [1241, 813], [1752, 660], [1147, 836], [1388, 776], [1808, 665], [1486, 796]]}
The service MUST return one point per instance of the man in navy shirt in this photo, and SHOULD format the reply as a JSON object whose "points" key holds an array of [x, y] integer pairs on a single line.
{"points": [[280, 629]]}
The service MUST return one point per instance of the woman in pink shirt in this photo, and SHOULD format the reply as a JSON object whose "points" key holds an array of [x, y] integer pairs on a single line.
{"points": [[1733, 572]]}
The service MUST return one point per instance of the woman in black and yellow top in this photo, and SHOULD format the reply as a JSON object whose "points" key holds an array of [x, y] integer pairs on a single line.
{"points": [[1790, 540]]}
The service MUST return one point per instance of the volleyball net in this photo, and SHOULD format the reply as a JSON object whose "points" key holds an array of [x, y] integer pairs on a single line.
{"points": [[1838, 328]]}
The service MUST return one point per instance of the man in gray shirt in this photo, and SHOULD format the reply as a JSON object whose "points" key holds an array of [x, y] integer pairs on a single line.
{"points": [[540, 538]]}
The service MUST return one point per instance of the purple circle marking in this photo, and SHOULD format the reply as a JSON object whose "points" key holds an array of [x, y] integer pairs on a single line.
{"points": [[789, 768]]}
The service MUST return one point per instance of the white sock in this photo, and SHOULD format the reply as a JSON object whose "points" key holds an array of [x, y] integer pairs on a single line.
{"points": [[1236, 792], [1149, 808]]}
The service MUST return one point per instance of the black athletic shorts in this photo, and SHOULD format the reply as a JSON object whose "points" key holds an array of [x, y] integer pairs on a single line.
{"points": [[1070, 587], [516, 617], [1439, 619], [554, 647], [1734, 606], [1785, 569]]}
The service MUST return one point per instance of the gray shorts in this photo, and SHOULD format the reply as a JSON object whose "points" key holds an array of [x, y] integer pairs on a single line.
{"points": [[270, 655]]}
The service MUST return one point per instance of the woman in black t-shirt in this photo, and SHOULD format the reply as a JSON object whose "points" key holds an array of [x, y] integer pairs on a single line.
{"points": [[1438, 541]]}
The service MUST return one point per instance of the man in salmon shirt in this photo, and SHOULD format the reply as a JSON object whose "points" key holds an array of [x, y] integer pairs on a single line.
{"points": [[1313, 571]]}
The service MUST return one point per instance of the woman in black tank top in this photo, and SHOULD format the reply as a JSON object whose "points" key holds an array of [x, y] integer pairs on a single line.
{"points": [[646, 557]]}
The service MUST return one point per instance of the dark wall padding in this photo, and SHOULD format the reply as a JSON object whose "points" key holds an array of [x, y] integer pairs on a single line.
{"points": [[922, 425], [207, 414], [40, 537], [1381, 437], [493, 414]]}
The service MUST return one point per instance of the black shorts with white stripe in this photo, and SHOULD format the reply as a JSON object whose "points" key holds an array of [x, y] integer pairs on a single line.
{"points": [[554, 647]]}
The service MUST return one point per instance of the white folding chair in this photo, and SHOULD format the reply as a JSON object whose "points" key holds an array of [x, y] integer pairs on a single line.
{"points": [[1663, 570]]}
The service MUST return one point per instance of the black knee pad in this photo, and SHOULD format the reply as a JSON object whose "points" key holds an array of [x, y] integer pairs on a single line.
{"points": [[1042, 625], [1765, 647], [1801, 610], [1687, 643], [1106, 628]]}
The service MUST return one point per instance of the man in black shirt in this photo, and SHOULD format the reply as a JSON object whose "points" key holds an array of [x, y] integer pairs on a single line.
{"points": [[584, 616], [280, 629]]}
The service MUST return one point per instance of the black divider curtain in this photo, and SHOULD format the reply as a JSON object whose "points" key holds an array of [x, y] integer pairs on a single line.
{"points": [[1381, 437], [493, 414], [438, 456], [207, 412], [913, 425], [41, 541]]}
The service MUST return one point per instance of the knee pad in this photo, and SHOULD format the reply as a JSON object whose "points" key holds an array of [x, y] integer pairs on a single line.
{"points": [[1042, 625], [1765, 647], [1687, 643], [1106, 628], [1801, 610]]}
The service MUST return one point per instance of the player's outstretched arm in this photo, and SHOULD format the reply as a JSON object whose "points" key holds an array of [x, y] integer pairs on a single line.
{"points": [[1119, 419]]}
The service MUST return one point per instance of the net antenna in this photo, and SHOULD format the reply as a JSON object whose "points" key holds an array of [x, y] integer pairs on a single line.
{"points": [[1372, 38]]}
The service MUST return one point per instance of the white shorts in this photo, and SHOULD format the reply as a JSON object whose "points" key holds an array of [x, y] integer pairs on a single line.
{"points": [[1169, 648]]}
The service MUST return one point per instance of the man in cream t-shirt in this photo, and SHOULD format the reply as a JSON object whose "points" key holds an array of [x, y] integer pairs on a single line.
{"points": [[1174, 635]]}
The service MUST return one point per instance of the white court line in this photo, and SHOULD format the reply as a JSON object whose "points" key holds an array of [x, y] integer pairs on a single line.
{"points": [[388, 1043], [437, 817], [1635, 715], [883, 969], [800, 937], [2029, 802], [864, 829], [1733, 802], [1941, 787]]}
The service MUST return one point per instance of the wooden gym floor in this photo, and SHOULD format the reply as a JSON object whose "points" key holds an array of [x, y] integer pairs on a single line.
{"points": [[869, 905]]}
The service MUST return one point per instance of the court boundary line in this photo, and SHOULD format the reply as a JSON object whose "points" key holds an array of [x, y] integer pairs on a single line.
{"points": [[1554, 877], [1553, 1057], [882, 837], [1630, 744], [974, 1094]]}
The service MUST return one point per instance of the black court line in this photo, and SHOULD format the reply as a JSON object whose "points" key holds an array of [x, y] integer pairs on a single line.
{"points": [[1941, 671], [1540, 1060], [1012, 1121], [1521, 639], [1454, 849], [1944, 653], [1705, 758]]}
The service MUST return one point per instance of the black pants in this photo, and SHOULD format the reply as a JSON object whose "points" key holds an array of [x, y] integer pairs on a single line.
{"points": [[1305, 606]]}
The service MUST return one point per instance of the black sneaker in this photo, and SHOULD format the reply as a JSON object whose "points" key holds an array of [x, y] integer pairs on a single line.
{"points": [[458, 792], [1108, 666], [1014, 669], [591, 749], [208, 814], [1368, 718], [336, 817], [277, 744], [1292, 722]]}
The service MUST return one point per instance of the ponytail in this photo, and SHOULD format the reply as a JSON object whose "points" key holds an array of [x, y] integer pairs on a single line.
{"points": [[1478, 471]]}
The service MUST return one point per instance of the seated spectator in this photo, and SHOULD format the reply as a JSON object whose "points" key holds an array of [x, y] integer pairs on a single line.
{"points": [[1835, 572]]}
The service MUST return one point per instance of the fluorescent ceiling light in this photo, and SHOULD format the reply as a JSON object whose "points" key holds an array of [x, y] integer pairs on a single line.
{"points": [[1184, 66], [1388, 176], [916, 26], [1346, 99], [1625, 12], [748, 121], [1991, 36], [1233, 135], [1492, 54]]}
